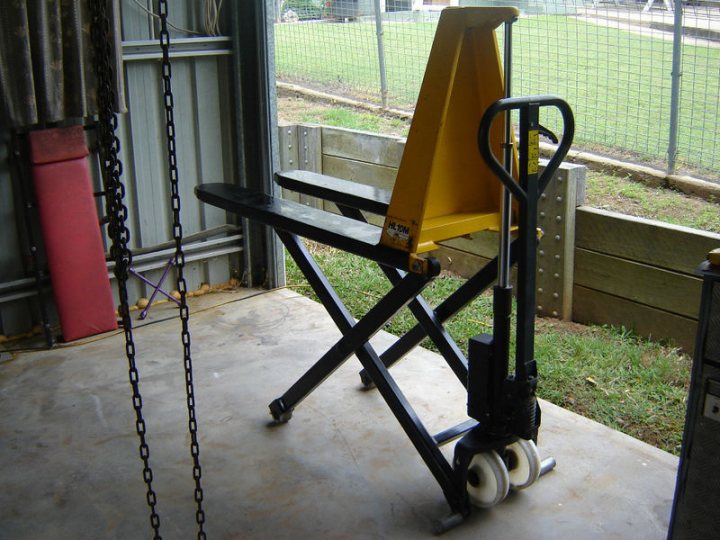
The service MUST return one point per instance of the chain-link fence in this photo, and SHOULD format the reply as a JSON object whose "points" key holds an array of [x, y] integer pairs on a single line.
{"points": [[642, 77]]}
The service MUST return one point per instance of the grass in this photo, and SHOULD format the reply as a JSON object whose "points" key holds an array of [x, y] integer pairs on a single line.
{"points": [[354, 120], [296, 109], [621, 194], [616, 81], [607, 374], [610, 375]]}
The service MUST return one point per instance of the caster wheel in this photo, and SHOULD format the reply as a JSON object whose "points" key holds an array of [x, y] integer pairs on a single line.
{"points": [[279, 413], [488, 481], [366, 381], [523, 463]]}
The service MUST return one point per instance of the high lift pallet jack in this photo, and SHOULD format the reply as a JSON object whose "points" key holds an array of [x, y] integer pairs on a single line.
{"points": [[446, 187]]}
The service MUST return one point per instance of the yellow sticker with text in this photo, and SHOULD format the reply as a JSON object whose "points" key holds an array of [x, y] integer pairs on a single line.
{"points": [[533, 151]]}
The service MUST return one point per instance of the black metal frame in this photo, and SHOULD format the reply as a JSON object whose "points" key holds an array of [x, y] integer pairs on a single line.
{"points": [[405, 292], [504, 403], [696, 481], [503, 406], [355, 339], [353, 234], [22, 186]]}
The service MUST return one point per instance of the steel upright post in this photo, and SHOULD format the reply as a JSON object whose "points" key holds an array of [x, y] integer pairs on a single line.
{"points": [[675, 87], [381, 55]]}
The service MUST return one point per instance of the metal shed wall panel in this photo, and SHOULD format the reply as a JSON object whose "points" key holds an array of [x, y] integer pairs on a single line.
{"points": [[14, 314], [204, 126], [203, 147]]}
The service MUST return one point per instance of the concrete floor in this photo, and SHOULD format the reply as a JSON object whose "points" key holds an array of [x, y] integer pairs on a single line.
{"points": [[341, 468]]}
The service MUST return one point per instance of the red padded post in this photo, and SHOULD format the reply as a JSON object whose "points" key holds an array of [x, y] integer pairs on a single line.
{"points": [[71, 231]]}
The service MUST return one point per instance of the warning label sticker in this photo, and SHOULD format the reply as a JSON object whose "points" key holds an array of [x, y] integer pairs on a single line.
{"points": [[398, 232], [533, 151]]}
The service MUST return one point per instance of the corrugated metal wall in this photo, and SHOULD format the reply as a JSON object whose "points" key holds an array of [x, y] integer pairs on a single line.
{"points": [[204, 121], [15, 311]]}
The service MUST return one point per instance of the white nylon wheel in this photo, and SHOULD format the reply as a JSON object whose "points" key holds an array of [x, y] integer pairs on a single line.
{"points": [[488, 481], [523, 463]]}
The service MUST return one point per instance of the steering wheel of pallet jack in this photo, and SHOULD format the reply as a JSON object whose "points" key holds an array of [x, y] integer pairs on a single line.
{"points": [[523, 461], [488, 481]]}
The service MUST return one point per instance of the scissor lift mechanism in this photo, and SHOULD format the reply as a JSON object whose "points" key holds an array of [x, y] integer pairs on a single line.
{"points": [[446, 187]]}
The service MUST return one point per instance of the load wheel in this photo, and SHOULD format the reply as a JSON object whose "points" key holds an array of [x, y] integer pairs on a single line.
{"points": [[523, 461], [488, 481]]}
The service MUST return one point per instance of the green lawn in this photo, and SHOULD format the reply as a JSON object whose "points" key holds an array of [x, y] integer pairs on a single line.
{"points": [[617, 82]]}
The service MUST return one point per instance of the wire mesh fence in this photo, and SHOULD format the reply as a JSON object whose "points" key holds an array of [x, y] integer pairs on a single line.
{"points": [[643, 77]]}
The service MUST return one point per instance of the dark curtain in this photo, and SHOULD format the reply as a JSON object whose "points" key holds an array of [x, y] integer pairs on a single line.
{"points": [[46, 69]]}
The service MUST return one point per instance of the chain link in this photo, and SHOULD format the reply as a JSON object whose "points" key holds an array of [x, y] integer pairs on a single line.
{"points": [[117, 212], [180, 263]]}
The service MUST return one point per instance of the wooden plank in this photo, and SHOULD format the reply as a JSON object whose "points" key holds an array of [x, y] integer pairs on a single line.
{"points": [[658, 244], [459, 262], [360, 146], [358, 171], [663, 289], [595, 307], [483, 243], [464, 264]]}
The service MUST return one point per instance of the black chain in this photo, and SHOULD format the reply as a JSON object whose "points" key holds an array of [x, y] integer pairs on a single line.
{"points": [[117, 212], [180, 263]]}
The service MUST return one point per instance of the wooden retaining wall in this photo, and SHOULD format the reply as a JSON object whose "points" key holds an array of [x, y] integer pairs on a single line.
{"points": [[594, 266], [639, 273]]}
